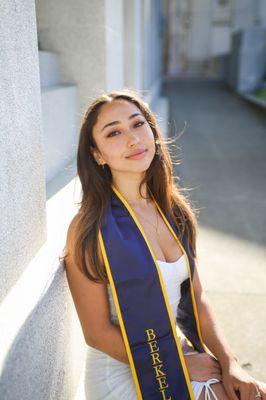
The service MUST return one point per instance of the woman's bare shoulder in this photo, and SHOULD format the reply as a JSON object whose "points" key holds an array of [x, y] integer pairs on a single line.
{"points": [[74, 221], [71, 231], [71, 241]]}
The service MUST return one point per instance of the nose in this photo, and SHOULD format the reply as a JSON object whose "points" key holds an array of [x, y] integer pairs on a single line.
{"points": [[133, 138]]}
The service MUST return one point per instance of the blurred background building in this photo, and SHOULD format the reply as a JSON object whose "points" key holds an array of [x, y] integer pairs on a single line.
{"points": [[56, 56], [223, 39]]}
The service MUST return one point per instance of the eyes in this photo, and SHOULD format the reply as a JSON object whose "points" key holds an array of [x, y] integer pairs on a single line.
{"points": [[140, 123]]}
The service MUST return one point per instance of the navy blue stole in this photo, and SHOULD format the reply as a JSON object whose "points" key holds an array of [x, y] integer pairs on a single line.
{"points": [[144, 313]]}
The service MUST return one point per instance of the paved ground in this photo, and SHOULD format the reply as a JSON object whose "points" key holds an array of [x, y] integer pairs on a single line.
{"points": [[223, 155]]}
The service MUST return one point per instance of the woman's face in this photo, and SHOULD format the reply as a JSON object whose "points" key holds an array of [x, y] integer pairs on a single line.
{"points": [[121, 130]]}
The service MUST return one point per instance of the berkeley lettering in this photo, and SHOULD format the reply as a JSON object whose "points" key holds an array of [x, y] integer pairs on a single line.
{"points": [[157, 363]]}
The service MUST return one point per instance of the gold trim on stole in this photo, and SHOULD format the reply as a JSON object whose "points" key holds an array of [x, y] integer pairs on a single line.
{"points": [[119, 314], [120, 318]]}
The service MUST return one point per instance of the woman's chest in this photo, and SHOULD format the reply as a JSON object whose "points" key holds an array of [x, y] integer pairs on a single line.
{"points": [[163, 243]]}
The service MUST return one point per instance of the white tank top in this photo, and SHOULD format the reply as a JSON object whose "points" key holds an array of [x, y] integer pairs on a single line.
{"points": [[173, 274]]}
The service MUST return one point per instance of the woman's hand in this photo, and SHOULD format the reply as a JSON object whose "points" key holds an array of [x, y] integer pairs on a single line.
{"points": [[203, 366], [262, 388], [238, 384]]}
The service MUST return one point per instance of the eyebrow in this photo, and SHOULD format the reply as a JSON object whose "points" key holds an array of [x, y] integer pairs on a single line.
{"points": [[117, 122]]}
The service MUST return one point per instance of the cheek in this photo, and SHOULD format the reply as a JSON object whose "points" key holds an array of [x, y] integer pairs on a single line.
{"points": [[113, 150], [149, 138], [148, 133]]}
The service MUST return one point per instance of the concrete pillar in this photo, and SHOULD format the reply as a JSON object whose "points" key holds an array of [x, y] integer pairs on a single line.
{"points": [[88, 35], [132, 46], [199, 40], [177, 50], [151, 43], [245, 14], [22, 195], [113, 45], [40, 336]]}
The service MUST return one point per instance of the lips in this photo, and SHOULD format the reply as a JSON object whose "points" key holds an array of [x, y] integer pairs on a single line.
{"points": [[140, 151]]}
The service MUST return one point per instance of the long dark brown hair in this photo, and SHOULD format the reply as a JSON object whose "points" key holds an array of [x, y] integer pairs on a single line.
{"points": [[96, 187]]}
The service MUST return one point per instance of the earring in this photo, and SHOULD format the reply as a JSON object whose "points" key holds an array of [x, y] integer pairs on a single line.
{"points": [[102, 165], [157, 149]]}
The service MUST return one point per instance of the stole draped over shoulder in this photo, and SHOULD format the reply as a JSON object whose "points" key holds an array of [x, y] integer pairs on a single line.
{"points": [[144, 313]]}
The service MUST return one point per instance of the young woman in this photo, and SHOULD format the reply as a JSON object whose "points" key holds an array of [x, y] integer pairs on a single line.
{"points": [[131, 267]]}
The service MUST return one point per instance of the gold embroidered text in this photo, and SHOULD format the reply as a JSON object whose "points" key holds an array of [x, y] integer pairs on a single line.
{"points": [[157, 363]]}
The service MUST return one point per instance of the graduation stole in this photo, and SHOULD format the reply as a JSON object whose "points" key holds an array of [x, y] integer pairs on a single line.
{"points": [[144, 313]]}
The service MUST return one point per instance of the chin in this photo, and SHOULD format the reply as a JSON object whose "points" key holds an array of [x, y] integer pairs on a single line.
{"points": [[141, 167]]}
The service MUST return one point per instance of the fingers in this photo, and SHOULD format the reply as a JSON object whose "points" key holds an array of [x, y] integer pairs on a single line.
{"points": [[248, 392], [262, 387], [256, 392], [231, 392], [244, 393]]}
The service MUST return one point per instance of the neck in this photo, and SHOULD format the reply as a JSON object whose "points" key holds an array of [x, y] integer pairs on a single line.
{"points": [[129, 189]]}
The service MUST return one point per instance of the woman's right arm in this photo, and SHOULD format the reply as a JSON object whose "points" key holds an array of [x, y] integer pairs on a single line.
{"points": [[92, 306]]}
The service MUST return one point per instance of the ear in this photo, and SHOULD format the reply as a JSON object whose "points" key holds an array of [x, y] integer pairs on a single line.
{"points": [[96, 154]]}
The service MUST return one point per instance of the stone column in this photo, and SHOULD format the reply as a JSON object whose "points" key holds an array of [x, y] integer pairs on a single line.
{"points": [[22, 170]]}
